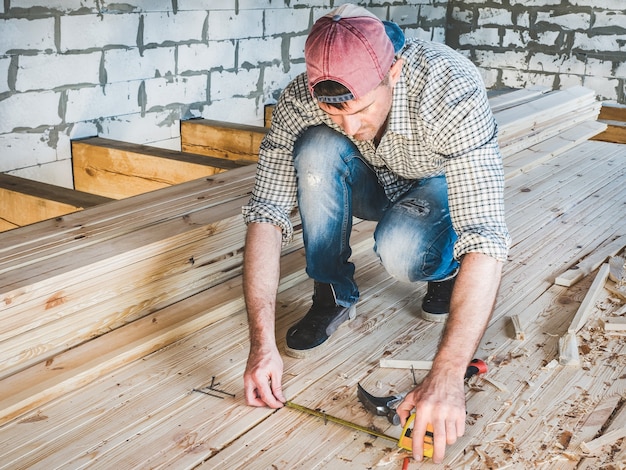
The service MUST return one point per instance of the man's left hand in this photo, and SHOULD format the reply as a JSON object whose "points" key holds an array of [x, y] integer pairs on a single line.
{"points": [[440, 401]]}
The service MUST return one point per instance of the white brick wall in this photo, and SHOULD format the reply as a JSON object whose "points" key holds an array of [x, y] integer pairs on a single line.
{"points": [[29, 110], [22, 34], [559, 42], [98, 30], [50, 71]]}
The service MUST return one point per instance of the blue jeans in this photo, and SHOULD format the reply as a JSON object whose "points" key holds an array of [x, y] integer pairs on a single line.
{"points": [[414, 235]]}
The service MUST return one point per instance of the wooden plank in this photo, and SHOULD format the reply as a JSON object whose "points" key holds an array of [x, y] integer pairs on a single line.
{"points": [[613, 113], [513, 98], [405, 364], [568, 343], [591, 262], [221, 139], [613, 133], [537, 154], [24, 201], [118, 170]]}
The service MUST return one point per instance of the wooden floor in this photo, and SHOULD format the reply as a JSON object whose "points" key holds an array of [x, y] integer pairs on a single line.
{"points": [[528, 411]]}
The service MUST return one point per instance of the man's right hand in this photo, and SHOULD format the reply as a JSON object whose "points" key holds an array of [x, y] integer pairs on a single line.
{"points": [[262, 380]]}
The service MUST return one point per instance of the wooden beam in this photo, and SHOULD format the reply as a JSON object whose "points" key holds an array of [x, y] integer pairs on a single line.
{"points": [[592, 262], [221, 139], [24, 201], [119, 169], [568, 343]]}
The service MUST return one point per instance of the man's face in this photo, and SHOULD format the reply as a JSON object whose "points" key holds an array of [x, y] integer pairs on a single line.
{"points": [[365, 118]]}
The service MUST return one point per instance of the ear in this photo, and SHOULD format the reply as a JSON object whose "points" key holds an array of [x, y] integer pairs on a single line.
{"points": [[395, 71]]}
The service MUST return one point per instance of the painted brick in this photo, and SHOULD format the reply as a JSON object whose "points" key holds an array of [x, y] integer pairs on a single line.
{"points": [[259, 4], [139, 5], [45, 72], [489, 76], [54, 5], [23, 35], [569, 81], [431, 13], [237, 110], [463, 15], [275, 79], [605, 19], [601, 68], [610, 43], [404, 15], [616, 5], [569, 21], [164, 92], [438, 35], [620, 70], [128, 64], [24, 149], [255, 51], [494, 16], [209, 5], [280, 21], [480, 37], [227, 84], [522, 20], [58, 173], [535, 3], [228, 25], [203, 57], [605, 89], [296, 47], [506, 59], [547, 38], [556, 64], [94, 31], [4, 73], [183, 26], [18, 110], [135, 128], [520, 37], [116, 99]]}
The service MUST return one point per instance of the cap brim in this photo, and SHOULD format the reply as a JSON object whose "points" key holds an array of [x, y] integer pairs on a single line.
{"points": [[395, 34]]}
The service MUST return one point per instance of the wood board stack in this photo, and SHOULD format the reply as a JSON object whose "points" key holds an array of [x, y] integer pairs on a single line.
{"points": [[24, 202], [73, 288]]}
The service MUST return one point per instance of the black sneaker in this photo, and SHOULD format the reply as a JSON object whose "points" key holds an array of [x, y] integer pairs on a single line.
{"points": [[436, 302], [322, 320]]}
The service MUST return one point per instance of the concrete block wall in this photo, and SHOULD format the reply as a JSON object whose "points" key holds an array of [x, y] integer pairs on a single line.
{"points": [[132, 70], [557, 43]]}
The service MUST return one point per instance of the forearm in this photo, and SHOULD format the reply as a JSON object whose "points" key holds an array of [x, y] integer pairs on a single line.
{"points": [[472, 303], [261, 274]]}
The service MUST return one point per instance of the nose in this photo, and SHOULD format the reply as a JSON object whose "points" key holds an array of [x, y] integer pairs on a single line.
{"points": [[350, 124]]}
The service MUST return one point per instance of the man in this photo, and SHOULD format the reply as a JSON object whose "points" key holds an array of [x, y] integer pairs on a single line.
{"points": [[400, 133]]}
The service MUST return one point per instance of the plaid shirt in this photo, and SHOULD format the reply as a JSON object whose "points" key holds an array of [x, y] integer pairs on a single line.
{"points": [[440, 123]]}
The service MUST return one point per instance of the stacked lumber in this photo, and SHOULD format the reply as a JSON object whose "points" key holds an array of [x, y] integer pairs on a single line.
{"points": [[117, 169], [615, 118], [229, 141], [70, 285], [23, 201]]}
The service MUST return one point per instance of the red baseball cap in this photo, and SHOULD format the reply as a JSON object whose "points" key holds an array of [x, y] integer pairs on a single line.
{"points": [[353, 47]]}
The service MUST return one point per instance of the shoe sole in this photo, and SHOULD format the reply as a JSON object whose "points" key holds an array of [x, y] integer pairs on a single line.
{"points": [[434, 317], [305, 353]]}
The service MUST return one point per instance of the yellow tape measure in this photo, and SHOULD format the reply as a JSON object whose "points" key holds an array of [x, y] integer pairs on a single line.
{"points": [[404, 442]]}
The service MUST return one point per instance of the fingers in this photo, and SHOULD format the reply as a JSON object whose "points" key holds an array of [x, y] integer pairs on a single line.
{"points": [[262, 380], [263, 391]]}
